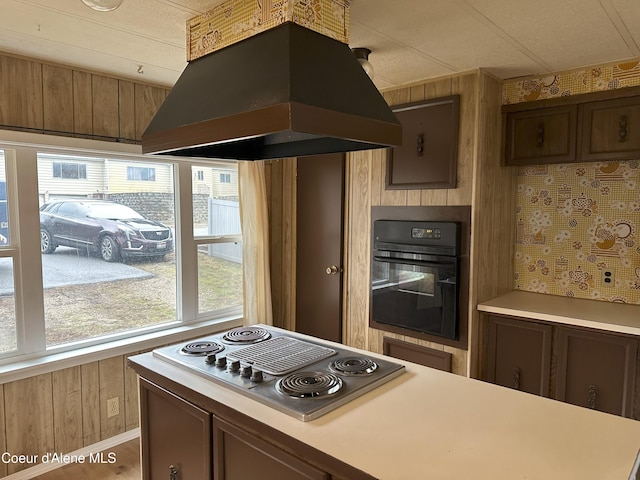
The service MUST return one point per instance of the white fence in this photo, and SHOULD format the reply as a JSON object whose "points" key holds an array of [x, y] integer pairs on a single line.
{"points": [[224, 219]]}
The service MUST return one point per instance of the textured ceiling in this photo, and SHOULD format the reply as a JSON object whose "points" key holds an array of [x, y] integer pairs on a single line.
{"points": [[411, 40]]}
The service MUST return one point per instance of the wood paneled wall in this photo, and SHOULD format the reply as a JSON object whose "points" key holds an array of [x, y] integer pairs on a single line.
{"points": [[65, 410], [39, 97], [281, 190], [481, 183]]}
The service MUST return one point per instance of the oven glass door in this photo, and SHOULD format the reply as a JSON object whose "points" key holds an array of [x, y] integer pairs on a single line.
{"points": [[416, 291]]}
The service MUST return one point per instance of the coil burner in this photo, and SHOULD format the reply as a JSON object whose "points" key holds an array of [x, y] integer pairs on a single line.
{"points": [[353, 366], [309, 385], [201, 348], [246, 335]]}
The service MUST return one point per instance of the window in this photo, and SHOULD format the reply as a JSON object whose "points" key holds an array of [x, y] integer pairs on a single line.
{"points": [[216, 228], [69, 170], [200, 175], [225, 178], [108, 267], [145, 174]]}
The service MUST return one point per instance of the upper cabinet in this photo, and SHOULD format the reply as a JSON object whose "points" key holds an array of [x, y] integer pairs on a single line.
{"points": [[610, 130], [546, 135], [595, 127]]}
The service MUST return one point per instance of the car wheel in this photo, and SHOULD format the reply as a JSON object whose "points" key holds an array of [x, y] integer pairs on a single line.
{"points": [[46, 242], [109, 249]]}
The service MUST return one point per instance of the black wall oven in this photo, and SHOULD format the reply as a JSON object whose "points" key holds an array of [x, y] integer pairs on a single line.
{"points": [[415, 276]]}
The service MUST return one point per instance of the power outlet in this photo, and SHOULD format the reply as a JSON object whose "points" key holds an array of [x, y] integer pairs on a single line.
{"points": [[113, 407], [608, 277]]}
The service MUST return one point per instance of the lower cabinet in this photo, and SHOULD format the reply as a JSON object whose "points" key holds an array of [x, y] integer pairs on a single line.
{"points": [[176, 436], [181, 441], [583, 367], [596, 370], [519, 355], [239, 455]]}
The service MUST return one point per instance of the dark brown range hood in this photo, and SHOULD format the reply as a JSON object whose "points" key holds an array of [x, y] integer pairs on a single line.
{"points": [[285, 92]]}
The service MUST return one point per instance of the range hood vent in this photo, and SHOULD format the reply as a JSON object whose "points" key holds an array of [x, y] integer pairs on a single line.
{"points": [[286, 92]]}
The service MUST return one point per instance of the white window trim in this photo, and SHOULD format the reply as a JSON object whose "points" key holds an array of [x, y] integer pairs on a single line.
{"points": [[35, 358]]}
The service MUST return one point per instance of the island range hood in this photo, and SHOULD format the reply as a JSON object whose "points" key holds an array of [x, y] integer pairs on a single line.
{"points": [[285, 92]]}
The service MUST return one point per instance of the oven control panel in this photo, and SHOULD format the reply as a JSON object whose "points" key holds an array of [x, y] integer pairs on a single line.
{"points": [[425, 233]]}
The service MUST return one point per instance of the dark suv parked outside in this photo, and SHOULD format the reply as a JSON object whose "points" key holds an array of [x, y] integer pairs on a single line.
{"points": [[112, 230]]}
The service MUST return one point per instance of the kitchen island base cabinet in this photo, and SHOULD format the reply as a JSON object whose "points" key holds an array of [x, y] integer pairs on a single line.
{"points": [[596, 370], [176, 436], [240, 455]]}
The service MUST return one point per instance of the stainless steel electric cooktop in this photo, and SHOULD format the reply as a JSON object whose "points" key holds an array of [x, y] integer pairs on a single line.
{"points": [[302, 378]]}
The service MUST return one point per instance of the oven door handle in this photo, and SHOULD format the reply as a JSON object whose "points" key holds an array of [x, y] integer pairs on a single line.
{"points": [[419, 263]]}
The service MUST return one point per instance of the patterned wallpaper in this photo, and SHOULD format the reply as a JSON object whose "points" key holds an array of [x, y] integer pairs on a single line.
{"points": [[577, 221]]}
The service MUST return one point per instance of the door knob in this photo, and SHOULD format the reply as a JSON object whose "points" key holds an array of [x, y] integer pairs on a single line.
{"points": [[332, 270]]}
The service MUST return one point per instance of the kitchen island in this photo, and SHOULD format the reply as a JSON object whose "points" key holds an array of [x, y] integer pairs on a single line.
{"points": [[424, 424]]}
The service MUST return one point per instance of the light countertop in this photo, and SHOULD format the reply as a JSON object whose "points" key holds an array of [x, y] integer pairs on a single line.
{"points": [[429, 424], [609, 316]]}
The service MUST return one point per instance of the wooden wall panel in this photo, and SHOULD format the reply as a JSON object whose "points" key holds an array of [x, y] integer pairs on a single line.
{"points": [[57, 98], [104, 99], [465, 86], [3, 436], [147, 101], [358, 226], [111, 375], [20, 93], [82, 103], [131, 404], [29, 417], [127, 109], [90, 387], [67, 409]]}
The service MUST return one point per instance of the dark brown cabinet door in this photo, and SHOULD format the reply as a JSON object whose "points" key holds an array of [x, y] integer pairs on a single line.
{"points": [[610, 130], [428, 156], [176, 436], [519, 354], [596, 370], [545, 135], [239, 455]]}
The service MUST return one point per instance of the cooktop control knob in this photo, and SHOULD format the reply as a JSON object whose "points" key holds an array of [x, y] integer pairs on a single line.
{"points": [[245, 371], [234, 366], [211, 359], [256, 376], [221, 362]]}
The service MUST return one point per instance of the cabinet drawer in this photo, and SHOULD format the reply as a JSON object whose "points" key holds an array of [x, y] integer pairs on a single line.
{"points": [[596, 370], [519, 354], [546, 135], [610, 130]]}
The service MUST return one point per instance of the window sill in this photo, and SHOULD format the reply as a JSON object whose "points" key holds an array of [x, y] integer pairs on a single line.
{"points": [[21, 368]]}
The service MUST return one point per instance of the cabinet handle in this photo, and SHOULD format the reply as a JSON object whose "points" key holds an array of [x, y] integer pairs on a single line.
{"points": [[173, 473], [622, 129], [591, 396], [516, 378], [420, 144], [540, 139]]}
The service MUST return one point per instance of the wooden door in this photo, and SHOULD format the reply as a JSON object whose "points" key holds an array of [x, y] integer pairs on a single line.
{"points": [[596, 370], [519, 354], [176, 436], [319, 239]]}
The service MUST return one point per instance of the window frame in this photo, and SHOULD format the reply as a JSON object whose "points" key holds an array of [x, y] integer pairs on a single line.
{"points": [[21, 150]]}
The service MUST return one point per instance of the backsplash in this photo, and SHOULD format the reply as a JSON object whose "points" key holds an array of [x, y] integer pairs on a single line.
{"points": [[574, 222], [577, 221]]}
